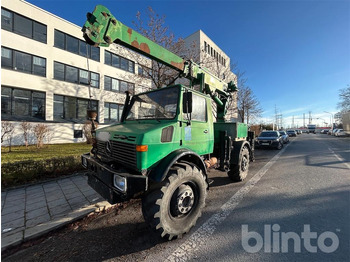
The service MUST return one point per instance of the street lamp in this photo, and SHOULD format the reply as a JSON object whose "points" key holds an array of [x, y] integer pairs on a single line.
{"points": [[331, 118]]}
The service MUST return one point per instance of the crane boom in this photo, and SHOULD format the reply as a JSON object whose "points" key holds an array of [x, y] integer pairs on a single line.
{"points": [[103, 29]]}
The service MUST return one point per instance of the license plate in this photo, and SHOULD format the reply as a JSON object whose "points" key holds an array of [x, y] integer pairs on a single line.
{"points": [[265, 144]]}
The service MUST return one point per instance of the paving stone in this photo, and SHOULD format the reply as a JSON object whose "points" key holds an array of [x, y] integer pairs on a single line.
{"points": [[13, 223], [35, 188], [94, 198], [12, 231], [38, 220], [74, 195], [36, 213], [31, 201], [53, 197], [5, 218], [57, 202], [34, 194], [9, 209], [37, 205], [60, 209]]}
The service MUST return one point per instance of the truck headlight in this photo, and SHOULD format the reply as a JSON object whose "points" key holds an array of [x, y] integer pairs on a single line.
{"points": [[120, 183]]}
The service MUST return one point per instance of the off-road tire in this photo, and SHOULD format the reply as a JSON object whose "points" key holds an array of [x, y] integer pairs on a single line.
{"points": [[240, 171], [161, 207]]}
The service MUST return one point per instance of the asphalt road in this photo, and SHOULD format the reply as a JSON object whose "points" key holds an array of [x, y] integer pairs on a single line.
{"points": [[293, 206]]}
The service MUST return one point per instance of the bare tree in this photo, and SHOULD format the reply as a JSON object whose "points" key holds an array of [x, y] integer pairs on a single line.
{"points": [[248, 105], [155, 29], [26, 127], [42, 132], [344, 96], [7, 130]]}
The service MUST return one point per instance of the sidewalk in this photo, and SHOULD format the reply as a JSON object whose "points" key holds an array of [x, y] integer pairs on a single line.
{"points": [[34, 210]]}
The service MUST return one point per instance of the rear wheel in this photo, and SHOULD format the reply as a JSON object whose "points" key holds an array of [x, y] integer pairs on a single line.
{"points": [[240, 171], [173, 208]]}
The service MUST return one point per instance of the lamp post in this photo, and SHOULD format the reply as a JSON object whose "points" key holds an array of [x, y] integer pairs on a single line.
{"points": [[331, 119]]}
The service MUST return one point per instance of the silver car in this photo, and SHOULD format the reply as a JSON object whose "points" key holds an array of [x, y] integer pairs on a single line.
{"points": [[285, 137]]}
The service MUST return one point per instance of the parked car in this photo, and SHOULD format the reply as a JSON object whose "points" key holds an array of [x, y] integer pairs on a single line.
{"points": [[291, 133], [324, 131], [285, 137], [334, 131], [338, 131], [341, 132], [269, 139], [299, 132]]}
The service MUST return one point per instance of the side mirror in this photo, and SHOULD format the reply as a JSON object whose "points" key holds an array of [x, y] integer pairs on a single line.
{"points": [[187, 102]]}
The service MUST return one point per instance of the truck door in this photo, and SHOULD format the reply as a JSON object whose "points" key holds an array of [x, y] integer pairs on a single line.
{"points": [[198, 136]]}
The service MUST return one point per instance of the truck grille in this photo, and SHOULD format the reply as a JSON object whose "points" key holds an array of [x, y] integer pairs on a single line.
{"points": [[121, 152]]}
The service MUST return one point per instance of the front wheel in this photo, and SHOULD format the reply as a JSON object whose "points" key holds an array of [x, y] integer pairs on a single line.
{"points": [[279, 146], [240, 171], [173, 208]]}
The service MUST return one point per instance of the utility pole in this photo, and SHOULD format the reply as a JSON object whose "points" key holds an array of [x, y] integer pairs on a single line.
{"points": [[304, 120], [310, 118], [293, 122]]}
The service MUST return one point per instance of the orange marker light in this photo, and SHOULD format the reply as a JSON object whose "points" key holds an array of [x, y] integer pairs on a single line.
{"points": [[142, 148]]}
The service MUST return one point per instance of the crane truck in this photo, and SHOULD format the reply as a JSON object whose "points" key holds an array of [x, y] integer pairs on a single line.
{"points": [[166, 139]]}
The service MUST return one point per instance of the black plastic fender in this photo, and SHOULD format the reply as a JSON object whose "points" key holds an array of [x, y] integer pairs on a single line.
{"points": [[236, 152], [160, 171]]}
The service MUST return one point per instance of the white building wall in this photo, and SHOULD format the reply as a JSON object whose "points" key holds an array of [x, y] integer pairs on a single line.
{"points": [[51, 86], [219, 64]]}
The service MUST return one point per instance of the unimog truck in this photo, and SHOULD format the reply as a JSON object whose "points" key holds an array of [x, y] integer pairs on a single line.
{"points": [[166, 139]]}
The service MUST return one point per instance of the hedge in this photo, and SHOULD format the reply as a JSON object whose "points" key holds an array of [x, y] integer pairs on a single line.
{"points": [[22, 172]]}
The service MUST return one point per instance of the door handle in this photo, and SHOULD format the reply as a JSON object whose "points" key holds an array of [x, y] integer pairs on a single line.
{"points": [[205, 131]]}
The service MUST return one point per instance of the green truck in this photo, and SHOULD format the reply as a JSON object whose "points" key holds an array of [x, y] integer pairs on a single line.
{"points": [[166, 139]]}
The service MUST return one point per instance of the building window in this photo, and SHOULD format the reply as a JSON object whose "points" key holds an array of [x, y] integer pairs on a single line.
{"points": [[23, 62], [116, 85], [22, 104], [23, 26], [112, 112], [119, 62], [76, 46], [72, 109], [75, 75], [142, 71]]}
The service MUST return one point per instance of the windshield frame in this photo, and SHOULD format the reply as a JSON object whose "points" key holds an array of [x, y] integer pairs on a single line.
{"points": [[135, 98]]}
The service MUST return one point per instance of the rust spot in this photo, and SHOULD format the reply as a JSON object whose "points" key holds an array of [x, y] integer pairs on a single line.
{"points": [[129, 31], [145, 48], [135, 44], [178, 65]]}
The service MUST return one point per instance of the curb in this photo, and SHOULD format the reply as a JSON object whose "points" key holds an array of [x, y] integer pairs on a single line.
{"points": [[44, 228]]}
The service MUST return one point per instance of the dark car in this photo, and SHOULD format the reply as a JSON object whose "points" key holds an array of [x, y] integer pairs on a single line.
{"points": [[285, 137], [291, 133], [269, 139]]}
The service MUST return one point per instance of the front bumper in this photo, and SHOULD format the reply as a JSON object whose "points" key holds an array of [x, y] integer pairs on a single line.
{"points": [[266, 143], [101, 179]]}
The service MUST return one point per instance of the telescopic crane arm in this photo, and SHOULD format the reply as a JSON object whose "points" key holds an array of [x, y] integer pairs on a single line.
{"points": [[103, 29]]}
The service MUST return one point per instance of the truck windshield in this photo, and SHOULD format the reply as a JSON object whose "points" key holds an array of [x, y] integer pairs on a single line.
{"points": [[161, 104]]}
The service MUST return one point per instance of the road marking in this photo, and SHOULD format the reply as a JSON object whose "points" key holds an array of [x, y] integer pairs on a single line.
{"points": [[339, 158], [185, 251]]}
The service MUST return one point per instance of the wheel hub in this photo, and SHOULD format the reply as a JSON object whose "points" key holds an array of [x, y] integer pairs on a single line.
{"points": [[244, 164], [185, 199]]}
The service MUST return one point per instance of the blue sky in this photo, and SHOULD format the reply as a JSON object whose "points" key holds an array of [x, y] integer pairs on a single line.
{"points": [[295, 54]]}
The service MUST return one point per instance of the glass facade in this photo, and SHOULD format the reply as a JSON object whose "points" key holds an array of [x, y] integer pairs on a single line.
{"points": [[22, 104], [22, 25], [23, 62], [72, 109], [76, 46]]}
